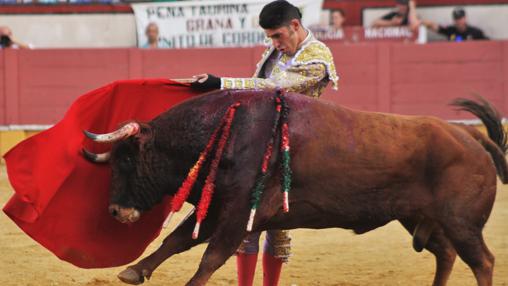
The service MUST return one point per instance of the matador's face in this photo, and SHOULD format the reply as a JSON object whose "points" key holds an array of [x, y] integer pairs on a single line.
{"points": [[285, 38]]}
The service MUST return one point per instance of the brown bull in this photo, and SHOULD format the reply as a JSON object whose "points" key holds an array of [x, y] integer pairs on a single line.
{"points": [[351, 169]]}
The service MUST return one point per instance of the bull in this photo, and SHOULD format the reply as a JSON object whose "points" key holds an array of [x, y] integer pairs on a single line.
{"points": [[351, 169]]}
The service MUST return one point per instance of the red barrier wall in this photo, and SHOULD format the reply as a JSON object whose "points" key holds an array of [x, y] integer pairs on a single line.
{"points": [[421, 79], [37, 86]]}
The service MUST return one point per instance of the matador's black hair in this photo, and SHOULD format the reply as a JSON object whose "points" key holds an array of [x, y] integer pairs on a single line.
{"points": [[277, 14]]}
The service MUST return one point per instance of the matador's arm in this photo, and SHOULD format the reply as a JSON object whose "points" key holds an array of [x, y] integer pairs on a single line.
{"points": [[294, 79]]}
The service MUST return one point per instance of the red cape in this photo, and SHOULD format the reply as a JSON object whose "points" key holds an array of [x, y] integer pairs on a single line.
{"points": [[61, 200]]}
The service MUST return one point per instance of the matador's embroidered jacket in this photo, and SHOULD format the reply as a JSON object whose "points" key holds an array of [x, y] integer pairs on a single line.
{"points": [[307, 72]]}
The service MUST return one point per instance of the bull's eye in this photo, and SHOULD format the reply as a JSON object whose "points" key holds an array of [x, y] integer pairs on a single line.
{"points": [[126, 164]]}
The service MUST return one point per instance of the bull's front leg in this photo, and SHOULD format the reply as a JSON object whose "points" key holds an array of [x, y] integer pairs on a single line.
{"points": [[223, 244], [178, 241]]}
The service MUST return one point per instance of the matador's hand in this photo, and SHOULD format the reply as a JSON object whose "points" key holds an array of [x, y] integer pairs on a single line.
{"points": [[205, 82]]}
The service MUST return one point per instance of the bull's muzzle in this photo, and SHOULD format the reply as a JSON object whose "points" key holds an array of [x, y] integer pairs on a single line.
{"points": [[124, 215]]}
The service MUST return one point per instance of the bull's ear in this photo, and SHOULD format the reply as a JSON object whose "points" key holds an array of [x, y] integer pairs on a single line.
{"points": [[145, 135]]}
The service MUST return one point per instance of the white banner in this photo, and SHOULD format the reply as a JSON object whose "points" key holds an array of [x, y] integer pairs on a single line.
{"points": [[220, 23]]}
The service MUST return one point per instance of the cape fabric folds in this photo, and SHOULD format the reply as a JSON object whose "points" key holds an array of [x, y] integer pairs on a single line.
{"points": [[61, 199]]}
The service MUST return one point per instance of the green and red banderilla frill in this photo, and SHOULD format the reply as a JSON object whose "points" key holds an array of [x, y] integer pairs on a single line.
{"points": [[224, 129]]}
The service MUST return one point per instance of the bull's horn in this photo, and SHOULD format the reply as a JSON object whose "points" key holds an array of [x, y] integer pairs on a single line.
{"points": [[123, 132], [96, 158]]}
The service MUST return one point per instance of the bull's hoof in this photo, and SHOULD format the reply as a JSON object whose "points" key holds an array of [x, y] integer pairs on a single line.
{"points": [[131, 276]]}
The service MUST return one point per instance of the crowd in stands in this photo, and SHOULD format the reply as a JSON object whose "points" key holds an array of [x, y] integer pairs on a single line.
{"points": [[404, 14]]}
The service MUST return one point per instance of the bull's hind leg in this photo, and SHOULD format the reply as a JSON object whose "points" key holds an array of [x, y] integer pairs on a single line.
{"points": [[468, 197], [442, 249], [469, 243], [445, 255]]}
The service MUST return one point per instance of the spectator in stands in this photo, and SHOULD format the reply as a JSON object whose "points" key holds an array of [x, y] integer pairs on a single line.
{"points": [[152, 34], [460, 30], [8, 41], [333, 29], [403, 15], [337, 19]]}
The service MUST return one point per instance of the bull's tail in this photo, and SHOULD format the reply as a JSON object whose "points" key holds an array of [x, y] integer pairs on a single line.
{"points": [[425, 227], [496, 144]]}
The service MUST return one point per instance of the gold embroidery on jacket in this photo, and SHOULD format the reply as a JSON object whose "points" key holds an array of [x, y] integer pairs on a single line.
{"points": [[307, 72]]}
